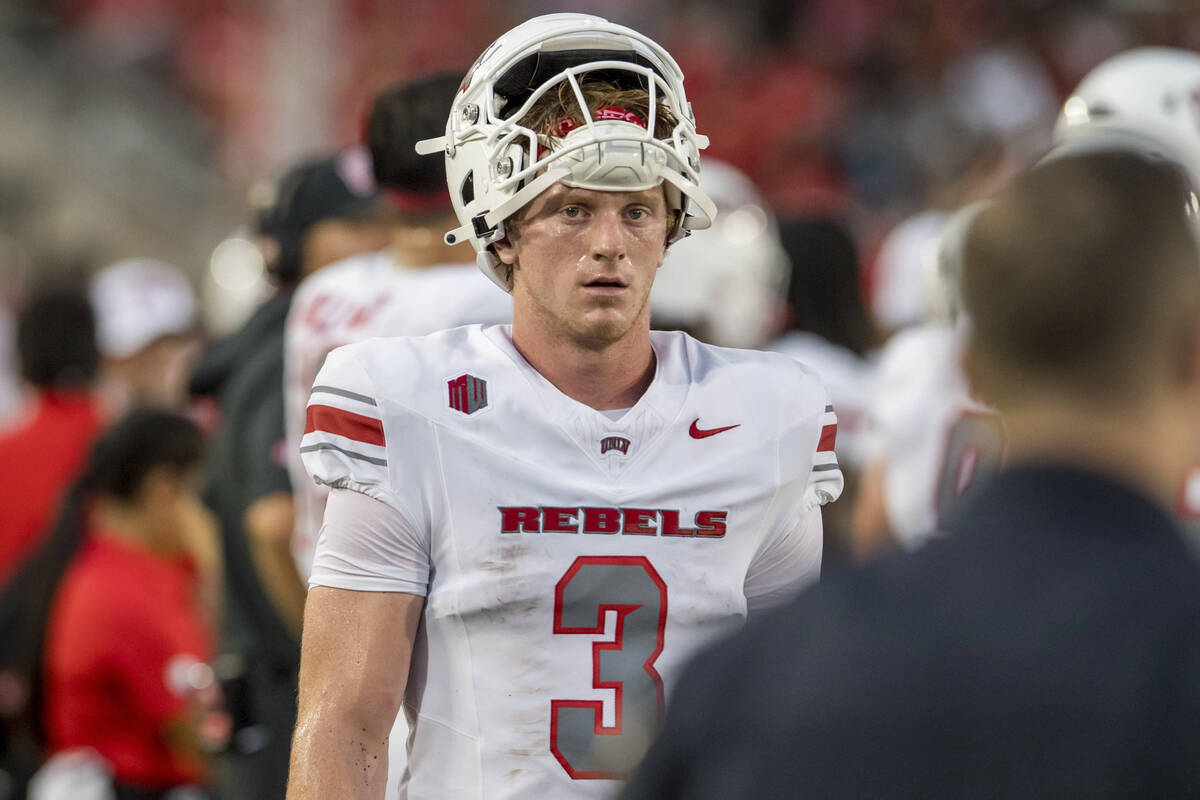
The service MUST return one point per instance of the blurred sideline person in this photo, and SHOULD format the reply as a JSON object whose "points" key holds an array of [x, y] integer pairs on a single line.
{"points": [[322, 209], [147, 332], [1145, 97], [418, 284], [39, 457], [119, 605], [929, 443], [723, 284], [56, 345], [500, 492], [829, 328], [1050, 645]]}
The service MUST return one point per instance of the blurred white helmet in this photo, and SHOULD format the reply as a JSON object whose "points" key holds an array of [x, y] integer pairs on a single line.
{"points": [[1146, 99], [906, 257], [944, 276], [726, 283], [494, 165]]}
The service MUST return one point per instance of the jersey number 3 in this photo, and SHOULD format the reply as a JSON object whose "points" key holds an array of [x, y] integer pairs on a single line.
{"points": [[580, 739]]}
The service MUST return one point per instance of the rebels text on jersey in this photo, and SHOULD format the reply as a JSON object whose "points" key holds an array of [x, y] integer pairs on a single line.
{"points": [[571, 562]]}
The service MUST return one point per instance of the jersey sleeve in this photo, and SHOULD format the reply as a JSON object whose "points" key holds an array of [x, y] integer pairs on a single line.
{"points": [[343, 445], [785, 563], [370, 546], [825, 481]]}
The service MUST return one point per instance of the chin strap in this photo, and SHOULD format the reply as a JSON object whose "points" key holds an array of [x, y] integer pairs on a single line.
{"points": [[529, 191], [481, 226]]}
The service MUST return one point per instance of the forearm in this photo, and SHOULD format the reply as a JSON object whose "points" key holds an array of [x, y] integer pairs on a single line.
{"points": [[268, 523], [353, 670], [282, 582], [334, 755]]}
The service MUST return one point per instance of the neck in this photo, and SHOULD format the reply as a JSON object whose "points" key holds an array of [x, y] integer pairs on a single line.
{"points": [[118, 521], [1142, 449], [611, 377]]}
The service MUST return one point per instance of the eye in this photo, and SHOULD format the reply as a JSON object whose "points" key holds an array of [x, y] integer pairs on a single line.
{"points": [[572, 212], [638, 214]]}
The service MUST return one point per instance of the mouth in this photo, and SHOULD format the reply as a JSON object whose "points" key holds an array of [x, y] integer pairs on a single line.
{"points": [[605, 285]]}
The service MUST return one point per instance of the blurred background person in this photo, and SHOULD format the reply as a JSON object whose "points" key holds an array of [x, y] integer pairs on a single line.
{"points": [[129, 634], [321, 210], [416, 285], [40, 454], [829, 327], [114, 612], [147, 331], [725, 284], [1145, 98], [929, 442]]}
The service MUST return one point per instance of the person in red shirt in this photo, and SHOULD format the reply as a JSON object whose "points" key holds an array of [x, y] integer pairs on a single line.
{"points": [[56, 342], [128, 636]]}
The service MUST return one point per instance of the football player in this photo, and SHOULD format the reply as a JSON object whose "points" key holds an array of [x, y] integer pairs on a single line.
{"points": [[533, 526], [929, 443]]}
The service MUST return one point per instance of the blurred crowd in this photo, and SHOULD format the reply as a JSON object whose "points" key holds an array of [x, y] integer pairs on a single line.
{"points": [[154, 523]]}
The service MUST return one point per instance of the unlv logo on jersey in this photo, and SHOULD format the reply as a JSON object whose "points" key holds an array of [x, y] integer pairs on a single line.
{"points": [[468, 394], [619, 443]]}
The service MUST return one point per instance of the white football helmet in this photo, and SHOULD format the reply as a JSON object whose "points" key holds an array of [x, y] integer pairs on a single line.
{"points": [[1146, 99], [943, 278], [725, 284], [494, 165]]}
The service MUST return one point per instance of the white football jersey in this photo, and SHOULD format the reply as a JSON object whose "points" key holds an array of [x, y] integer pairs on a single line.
{"points": [[359, 298], [571, 563], [938, 443], [847, 377]]}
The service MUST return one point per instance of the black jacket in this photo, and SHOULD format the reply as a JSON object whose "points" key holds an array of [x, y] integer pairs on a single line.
{"points": [[1048, 646]]}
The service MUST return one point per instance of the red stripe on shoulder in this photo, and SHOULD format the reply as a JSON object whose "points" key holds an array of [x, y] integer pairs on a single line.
{"points": [[328, 419], [828, 438]]}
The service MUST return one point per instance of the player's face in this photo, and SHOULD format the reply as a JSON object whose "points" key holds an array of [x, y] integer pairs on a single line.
{"points": [[583, 261]]}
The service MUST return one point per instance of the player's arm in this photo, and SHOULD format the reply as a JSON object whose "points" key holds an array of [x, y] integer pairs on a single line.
{"points": [[785, 564], [789, 557], [871, 533], [369, 576], [354, 666], [268, 523]]}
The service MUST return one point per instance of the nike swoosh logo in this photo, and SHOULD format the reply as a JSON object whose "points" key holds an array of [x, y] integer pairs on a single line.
{"points": [[699, 433]]}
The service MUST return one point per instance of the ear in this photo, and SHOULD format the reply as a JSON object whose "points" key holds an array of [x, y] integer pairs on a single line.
{"points": [[505, 250]]}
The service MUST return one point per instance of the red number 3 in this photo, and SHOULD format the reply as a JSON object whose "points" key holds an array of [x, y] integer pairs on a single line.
{"points": [[593, 586]]}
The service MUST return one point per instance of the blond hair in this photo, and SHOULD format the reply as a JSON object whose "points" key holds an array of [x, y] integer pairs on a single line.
{"points": [[551, 110]]}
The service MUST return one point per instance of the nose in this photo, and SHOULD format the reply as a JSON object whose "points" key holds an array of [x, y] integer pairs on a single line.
{"points": [[607, 237]]}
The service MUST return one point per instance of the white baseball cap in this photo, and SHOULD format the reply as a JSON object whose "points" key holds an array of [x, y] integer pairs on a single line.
{"points": [[138, 301]]}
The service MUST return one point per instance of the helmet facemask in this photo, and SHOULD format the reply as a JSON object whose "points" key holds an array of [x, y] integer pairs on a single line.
{"points": [[496, 163]]}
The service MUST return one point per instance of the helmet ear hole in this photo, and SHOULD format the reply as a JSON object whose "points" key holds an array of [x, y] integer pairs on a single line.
{"points": [[467, 190]]}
